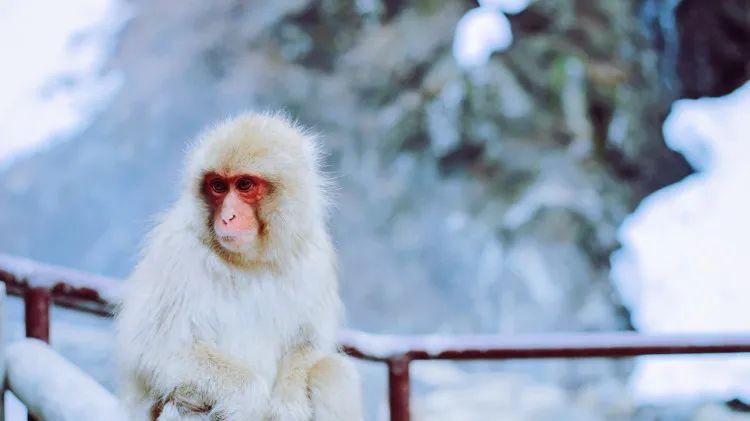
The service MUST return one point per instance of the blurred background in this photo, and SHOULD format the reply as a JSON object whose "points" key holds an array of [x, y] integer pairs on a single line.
{"points": [[507, 166]]}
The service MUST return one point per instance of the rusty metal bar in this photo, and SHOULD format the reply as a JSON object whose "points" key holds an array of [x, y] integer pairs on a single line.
{"points": [[398, 389], [554, 345], [592, 345], [72, 289], [37, 303], [37, 308]]}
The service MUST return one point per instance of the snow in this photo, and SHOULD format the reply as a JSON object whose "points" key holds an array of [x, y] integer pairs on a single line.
{"points": [[15, 410], [52, 81], [683, 264], [485, 30], [454, 394], [83, 339], [43, 275], [54, 388], [479, 33]]}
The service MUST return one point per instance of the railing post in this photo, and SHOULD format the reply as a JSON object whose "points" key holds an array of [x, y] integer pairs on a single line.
{"points": [[37, 303], [398, 388]]}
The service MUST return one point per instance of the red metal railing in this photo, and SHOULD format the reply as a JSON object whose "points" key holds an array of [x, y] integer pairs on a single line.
{"points": [[41, 285]]}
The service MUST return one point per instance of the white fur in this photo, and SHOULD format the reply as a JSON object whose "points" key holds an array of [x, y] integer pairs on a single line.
{"points": [[240, 334]]}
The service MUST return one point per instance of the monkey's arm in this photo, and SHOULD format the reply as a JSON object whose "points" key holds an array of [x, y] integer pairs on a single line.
{"points": [[289, 397], [315, 382], [219, 385], [162, 361], [334, 388], [314, 386]]}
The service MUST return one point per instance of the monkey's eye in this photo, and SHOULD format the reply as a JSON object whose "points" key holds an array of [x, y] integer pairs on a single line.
{"points": [[218, 185], [245, 184]]}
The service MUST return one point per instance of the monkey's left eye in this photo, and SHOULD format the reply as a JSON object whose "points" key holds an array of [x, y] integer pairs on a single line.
{"points": [[245, 184]]}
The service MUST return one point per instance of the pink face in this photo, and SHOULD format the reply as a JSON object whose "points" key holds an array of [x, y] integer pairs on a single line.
{"points": [[234, 201]]}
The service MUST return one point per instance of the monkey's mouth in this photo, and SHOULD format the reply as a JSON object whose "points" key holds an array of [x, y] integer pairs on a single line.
{"points": [[235, 243]]}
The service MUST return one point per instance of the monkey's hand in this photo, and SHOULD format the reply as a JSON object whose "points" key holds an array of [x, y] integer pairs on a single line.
{"points": [[237, 394], [189, 399], [173, 412], [185, 402], [334, 390], [290, 400], [248, 403]]}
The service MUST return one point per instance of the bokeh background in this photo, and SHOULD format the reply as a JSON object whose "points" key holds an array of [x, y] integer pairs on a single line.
{"points": [[507, 166]]}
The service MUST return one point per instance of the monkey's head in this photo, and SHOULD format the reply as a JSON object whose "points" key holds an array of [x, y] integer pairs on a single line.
{"points": [[258, 190]]}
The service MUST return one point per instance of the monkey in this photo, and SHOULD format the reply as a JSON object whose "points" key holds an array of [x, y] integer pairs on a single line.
{"points": [[232, 311]]}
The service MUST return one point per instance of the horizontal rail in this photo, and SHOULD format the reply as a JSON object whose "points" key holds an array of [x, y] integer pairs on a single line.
{"points": [[40, 284], [552, 345], [68, 288]]}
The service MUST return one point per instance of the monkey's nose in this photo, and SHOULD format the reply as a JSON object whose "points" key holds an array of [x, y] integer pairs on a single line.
{"points": [[226, 221]]}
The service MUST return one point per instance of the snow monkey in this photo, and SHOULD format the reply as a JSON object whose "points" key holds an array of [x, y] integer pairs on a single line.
{"points": [[231, 313]]}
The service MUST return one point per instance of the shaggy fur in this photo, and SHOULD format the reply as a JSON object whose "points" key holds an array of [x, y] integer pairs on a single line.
{"points": [[205, 333]]}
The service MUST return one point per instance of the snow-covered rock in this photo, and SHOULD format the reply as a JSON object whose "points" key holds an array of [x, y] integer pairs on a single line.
{"points": [[683, 265]]}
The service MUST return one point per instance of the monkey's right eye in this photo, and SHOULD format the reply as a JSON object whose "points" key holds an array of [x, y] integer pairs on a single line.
{"points": [[218, 185]]}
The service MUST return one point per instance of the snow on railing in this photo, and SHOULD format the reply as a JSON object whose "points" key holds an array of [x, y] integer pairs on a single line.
{"points": [[53, 388], [69, 288], [41, 285], [549, 345]]}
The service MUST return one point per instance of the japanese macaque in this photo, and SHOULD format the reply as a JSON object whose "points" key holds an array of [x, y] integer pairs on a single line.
{"points": [[231, 314]]}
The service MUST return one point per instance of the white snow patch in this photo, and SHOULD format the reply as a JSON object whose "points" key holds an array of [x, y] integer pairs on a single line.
{"points": [[53, 55], [15, 410], [480, 32], [683, 265], [54, 388], [454, 394], [485, 30]]}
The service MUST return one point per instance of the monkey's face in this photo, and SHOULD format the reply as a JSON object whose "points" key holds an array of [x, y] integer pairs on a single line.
{"points": [[260, 195], [233, 201]]}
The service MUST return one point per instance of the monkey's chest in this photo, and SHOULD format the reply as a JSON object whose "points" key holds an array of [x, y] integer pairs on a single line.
{"points": [[253, 329]]}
